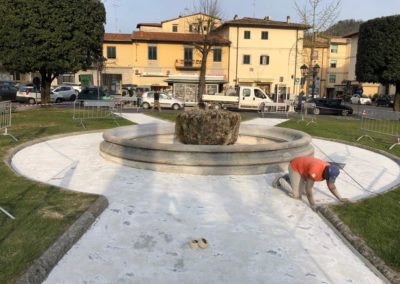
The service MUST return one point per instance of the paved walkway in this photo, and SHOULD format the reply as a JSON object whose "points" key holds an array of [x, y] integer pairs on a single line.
{"points": [[256, 234]]}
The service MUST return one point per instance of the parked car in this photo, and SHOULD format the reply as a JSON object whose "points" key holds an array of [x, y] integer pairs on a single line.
{"points": [[363, 100], [29, 94], [330, 106], [299, 101], [77, 87], [3, 82], [385, 100], [68, 93], [93, 94], [7, 92], [166, 101]]}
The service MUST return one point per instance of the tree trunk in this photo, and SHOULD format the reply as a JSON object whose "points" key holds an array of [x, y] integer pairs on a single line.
{"points": [[202, 78], [396, 104], [45, 86], [212, 127]]}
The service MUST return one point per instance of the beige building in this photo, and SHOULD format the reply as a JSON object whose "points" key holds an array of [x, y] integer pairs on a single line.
{"points": [[332, 56], [265, 53], [163, 56], [370, 89], [247, 51], [336, 57]]}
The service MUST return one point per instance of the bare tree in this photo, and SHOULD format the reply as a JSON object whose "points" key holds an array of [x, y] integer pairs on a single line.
{"points": [[319, 15], [208, 13]]}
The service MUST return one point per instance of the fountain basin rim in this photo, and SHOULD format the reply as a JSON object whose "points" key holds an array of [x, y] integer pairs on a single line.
{"points": [[125, 135]]}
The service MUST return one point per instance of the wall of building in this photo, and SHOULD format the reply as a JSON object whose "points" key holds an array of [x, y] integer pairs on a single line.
{"points": [[183, 23], [341, 70], [281, 49], [150, 29], [353, 58]]}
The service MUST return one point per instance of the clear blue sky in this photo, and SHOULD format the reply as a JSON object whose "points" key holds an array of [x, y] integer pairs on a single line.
{"points": [[124, 15]]}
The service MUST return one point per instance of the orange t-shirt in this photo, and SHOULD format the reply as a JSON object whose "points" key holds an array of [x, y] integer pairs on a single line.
{"points": [[309, 167]]}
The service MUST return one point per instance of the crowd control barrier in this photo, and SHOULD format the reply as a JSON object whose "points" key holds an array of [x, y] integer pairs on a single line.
{"points": [[276, 108], [380, 122], [96, 109], [5, 118], [307, 113]]}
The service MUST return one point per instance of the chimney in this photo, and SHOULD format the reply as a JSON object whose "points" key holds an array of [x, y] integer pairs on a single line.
{"points": [[288, 19], [235, 17], [267, 18]]}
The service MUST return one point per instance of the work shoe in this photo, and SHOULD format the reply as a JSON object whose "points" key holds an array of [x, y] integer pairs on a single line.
{"points": [[287, 178], [194, 244], [275, 182], [203, 243]]}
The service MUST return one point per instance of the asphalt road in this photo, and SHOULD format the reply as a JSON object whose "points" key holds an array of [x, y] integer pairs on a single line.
{"points": [[357, 109]]}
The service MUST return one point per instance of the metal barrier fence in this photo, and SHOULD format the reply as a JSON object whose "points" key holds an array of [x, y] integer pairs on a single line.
{"points": [[307, 113], [128, 102], [277, 108], [94, 109], [5, 118], [380, 122]]}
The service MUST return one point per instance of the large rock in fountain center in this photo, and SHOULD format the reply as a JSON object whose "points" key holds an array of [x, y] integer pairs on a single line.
{"points": [[207, 127]]}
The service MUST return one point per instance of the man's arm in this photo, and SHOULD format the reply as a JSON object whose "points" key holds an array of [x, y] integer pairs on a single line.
{"points": [[333, 189], [309, 193]]}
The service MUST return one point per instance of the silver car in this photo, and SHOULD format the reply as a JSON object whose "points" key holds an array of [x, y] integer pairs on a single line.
{"points": [[166, 101], [68, 93]]}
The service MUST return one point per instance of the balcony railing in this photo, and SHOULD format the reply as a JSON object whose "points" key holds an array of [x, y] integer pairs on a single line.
{"points": [[187, 64]]}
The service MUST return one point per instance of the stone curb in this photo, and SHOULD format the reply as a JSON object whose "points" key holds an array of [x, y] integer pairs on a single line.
{"points": [[41, 267], [356, 243]]}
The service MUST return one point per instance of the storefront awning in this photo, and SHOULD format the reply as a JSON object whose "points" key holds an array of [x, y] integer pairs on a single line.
{"points": [[256, 81], [195, 79]]}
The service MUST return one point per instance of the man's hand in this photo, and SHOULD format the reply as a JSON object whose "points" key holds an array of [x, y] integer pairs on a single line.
{"points": [[344, 200]]}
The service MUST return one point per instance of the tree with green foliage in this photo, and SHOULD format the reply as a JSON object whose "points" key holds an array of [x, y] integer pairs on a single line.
{"points": [[50, 37], [378, 53]]}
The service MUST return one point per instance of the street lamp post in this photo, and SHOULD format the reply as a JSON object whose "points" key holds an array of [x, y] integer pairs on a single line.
{"points": [[304, 72], [314, 72]]}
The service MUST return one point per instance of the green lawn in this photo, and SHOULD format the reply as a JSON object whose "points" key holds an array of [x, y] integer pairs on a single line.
{"points": [[376, 220], [42, 212]]}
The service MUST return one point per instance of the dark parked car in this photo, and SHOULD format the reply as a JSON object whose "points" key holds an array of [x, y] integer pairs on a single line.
{"points": [[330, 106], [7, 92], [91, 94], [299, 101], [11, 83], [385, 100]]}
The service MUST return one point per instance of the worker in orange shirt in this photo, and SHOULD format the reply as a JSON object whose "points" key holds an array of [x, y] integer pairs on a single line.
{"points": [[303, 172]]}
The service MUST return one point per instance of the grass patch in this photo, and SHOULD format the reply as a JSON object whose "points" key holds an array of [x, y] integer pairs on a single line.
{"points": [[346, 129], [377, 219], [42, 212]]}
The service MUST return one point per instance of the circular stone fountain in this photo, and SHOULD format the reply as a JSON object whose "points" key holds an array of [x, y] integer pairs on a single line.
{"points": [[259, 150]]}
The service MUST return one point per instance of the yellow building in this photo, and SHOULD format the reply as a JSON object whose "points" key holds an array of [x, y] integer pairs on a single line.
{"points": [[265, 53], [332, 56], [247, 51], [336, 57], [163, 56], [369, 89]]}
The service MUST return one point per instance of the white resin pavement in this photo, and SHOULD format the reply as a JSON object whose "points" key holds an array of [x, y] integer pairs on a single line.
{"points": [[256, 234]]}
